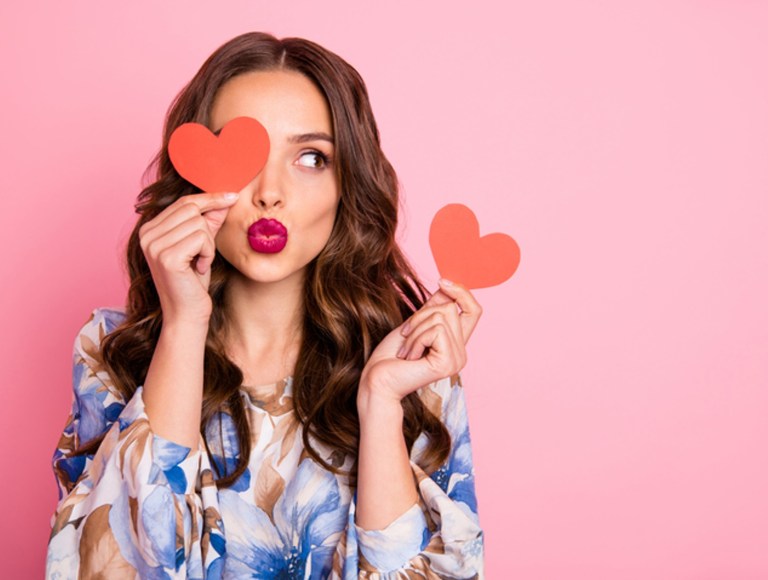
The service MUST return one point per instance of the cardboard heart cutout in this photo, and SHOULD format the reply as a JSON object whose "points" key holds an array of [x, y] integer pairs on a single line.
{"points": [[225, 163], [463, 256]]}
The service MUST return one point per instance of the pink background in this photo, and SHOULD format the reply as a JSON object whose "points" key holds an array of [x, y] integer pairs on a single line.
{"points": [[616, 384]]}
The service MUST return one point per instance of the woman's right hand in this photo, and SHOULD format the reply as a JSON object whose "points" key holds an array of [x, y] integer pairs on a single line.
{"points": [[179, 247]]}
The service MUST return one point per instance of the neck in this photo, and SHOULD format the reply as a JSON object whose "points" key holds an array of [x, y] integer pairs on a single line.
{"points": [[264, 324]]}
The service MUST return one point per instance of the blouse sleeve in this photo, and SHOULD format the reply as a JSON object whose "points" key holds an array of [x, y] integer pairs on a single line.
{"points": [[140, 506], [440, 535]]}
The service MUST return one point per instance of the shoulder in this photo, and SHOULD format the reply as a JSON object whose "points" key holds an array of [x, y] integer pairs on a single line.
{"points": [[100, 322], [97, 402]]}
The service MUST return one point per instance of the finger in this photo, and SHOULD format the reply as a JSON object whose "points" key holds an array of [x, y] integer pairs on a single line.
{"points": [[188, 206], [179, 256], [470, 308], [210, 201], [160, 238], [215, 219], [443, 314], [439, 298], [446, 355], [426, 333], [205, 258], [181, 216]]}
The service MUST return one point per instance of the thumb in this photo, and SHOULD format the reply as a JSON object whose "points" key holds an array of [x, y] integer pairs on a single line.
{"points": [[439, 297], [421, 372], [215, 219]]}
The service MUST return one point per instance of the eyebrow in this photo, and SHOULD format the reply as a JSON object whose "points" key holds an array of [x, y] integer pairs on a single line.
{"points": [[317, 136], [302, 138]]}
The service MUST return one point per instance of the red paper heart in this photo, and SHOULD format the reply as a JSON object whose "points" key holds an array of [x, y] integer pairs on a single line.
{"points": [[463, 256], [225, 163]]}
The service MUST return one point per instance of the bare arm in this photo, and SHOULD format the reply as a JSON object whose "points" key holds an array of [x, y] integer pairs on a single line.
{"points": [[386, 487], [179, 247], [428, 347], [173, 389]]}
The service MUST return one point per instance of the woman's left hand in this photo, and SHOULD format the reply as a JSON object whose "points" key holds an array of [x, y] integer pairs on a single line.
{"points": [[440, 328]]}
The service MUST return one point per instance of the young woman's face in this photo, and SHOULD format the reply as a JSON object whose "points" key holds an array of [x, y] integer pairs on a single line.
{"points": [[297, 187]]}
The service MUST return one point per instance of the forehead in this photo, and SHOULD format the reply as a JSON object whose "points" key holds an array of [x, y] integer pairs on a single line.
{"points": [[285, 102]]}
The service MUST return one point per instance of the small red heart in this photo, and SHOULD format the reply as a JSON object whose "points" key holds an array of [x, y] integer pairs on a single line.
{"points": [[225, 163], [463, 256]]}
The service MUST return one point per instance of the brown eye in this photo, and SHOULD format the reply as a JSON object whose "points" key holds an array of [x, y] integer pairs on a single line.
{"points": [[313, 159]]}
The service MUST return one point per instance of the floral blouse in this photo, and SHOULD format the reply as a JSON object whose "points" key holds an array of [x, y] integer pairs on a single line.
{"points": [[146, 507]]}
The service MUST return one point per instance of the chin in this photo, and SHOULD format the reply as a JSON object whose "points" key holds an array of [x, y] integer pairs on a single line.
{"points": [[266, 274]]}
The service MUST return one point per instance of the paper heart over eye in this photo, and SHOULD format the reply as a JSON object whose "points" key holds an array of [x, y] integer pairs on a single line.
{"points": [[465, 257], [225, 163]]}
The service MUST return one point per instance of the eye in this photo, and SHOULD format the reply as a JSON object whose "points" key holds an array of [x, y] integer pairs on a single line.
{"points": [[314, 159]]}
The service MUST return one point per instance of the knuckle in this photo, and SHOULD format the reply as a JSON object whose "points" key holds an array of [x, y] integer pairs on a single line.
{"points": [[189, 209], [164, 259], [150, 250], [204, 237], [438, 317], [144, 231]]}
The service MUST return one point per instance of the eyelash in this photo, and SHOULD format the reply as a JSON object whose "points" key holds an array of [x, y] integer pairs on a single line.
{"points": [[321, 155]]}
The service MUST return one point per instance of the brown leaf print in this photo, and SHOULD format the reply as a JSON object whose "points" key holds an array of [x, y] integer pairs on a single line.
{"points": [[270, 398], [180, 525], [365, 568], [285, 433], [268, 489], [62, 520], [337, 458], [432, 400], [435, 545], [133, 506], [94, 358], [104, 451], [206, 479], [211, 521], [256, 423], [136, 437], [67, 441], [100, 555], [339, 555], [194, 510]]}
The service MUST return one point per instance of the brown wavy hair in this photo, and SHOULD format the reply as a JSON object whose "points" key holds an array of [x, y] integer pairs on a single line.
{"points": [[356, 291]]}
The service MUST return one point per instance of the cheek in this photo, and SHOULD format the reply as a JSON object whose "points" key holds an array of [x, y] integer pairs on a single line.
{"points": [[227, 237], [322, 211]]}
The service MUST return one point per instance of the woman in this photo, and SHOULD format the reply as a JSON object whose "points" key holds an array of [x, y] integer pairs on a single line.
{"points": [[268, 408]]}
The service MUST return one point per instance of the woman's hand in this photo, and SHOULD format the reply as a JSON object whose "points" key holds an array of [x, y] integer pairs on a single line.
{"points": [[179, 247], [440, 328]]}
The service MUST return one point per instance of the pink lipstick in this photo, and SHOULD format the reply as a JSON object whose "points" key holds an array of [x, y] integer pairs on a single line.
{"points": [[267, 236]]}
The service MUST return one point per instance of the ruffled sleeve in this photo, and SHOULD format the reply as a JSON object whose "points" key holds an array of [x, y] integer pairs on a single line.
{"points": [[140, 505], [440, 536]]}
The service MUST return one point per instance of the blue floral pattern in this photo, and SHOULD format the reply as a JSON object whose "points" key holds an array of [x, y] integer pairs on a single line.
{"points": [[145, 507]]}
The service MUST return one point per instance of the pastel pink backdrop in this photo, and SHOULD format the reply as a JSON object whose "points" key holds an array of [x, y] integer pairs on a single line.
{"points": [[616, 385]]}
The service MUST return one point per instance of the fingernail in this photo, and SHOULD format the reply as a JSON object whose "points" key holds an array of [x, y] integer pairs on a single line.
{"points": [[401, 352], [406, 329], [231, 195], [444, 282]]}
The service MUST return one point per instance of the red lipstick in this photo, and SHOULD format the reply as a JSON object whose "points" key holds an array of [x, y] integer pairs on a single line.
{"points": [[267, 236]]}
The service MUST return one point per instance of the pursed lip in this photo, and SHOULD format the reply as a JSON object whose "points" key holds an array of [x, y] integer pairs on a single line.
{"points": [[267, 236]]}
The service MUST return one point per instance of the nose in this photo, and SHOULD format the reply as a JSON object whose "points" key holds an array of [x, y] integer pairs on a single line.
{"points": [[268, 187]]}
